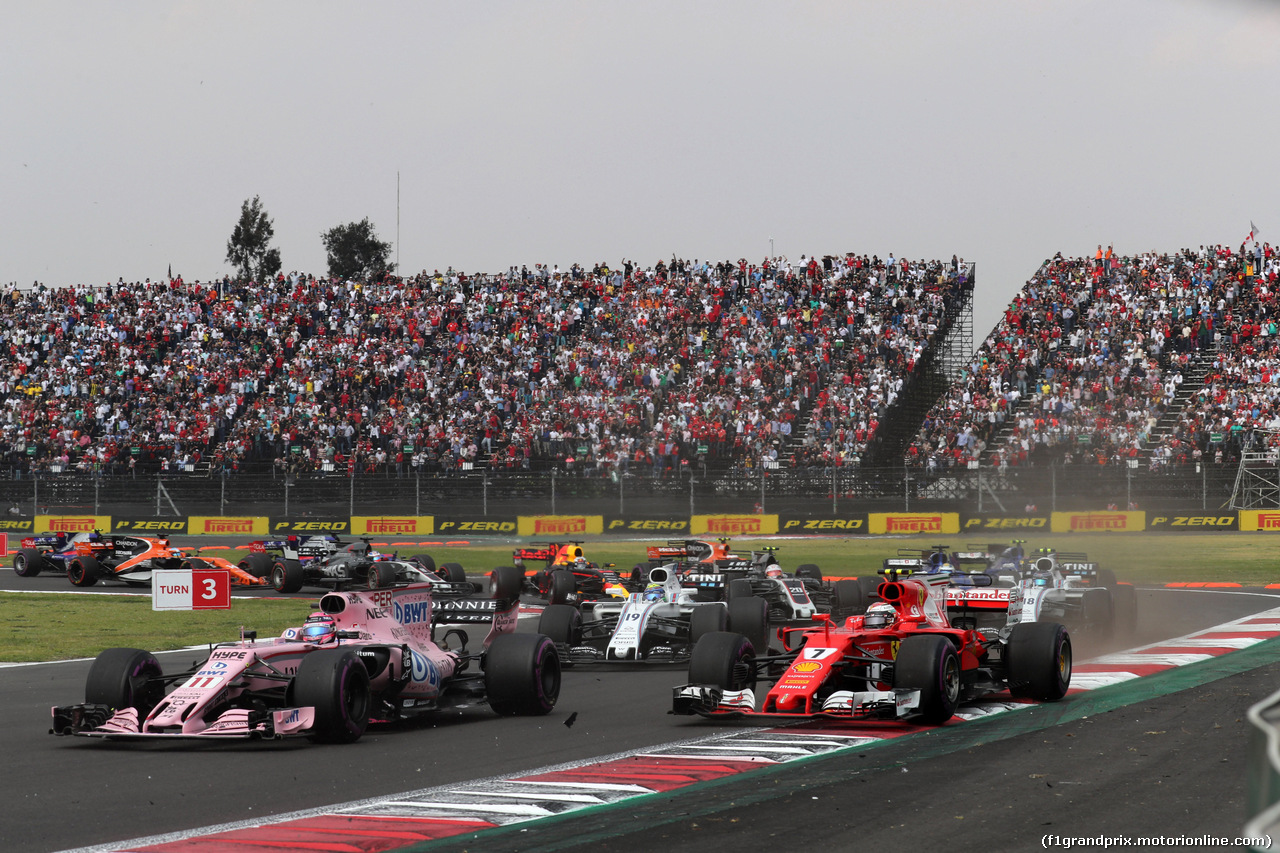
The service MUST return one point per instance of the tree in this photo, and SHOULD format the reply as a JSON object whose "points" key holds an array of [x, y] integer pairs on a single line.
{"points": [[355, 252], [248, 249]]}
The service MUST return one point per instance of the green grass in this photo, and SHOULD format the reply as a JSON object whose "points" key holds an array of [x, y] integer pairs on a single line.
{"points": [[59, 626]]}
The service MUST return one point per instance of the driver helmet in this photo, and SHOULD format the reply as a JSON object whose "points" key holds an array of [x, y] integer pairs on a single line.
{"points": [[319, 628], [580, 563], [773, 571], [95, 536], [880, 615], [653, 592]]}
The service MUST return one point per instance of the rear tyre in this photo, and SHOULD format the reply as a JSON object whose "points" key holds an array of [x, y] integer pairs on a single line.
{"points": [[737, 588], [561, 585], [1106, 579], [750, 617], [522, 674], [930, 664], [707, 619], [83, 571], [258, 565], [336, 684], [562, 623], [869, 584], [27, 563], [1038, 660], [1097, 611], [454, 573], [848, 599], [1124, 599], [286, 576], [125, 678], [723, 659], [809, 570], [505, 583]]}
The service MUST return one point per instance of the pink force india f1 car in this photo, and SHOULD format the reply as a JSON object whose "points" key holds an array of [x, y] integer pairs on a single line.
{"points": [[366, 656], [902, 659]]}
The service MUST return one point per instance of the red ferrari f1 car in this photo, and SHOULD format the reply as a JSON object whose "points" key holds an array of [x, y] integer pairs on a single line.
{"points": [[367, 656], [903, 658]]}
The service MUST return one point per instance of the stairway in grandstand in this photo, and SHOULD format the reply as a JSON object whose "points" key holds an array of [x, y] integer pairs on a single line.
{"points": [[1193, 374]]}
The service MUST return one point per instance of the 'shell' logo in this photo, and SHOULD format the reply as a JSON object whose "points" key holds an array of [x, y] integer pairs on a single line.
{"points": [[392, 525], [558, 527], [228, 525], [901, 524], [1099, 521], [75, 525], [734, 526]]}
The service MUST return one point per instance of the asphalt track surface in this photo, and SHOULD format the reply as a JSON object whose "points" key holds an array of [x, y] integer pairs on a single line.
{"points": [[1172, 764]]}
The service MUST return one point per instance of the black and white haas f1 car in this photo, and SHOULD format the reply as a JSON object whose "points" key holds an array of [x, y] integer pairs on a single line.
{"points": [[714, 570], [326, 561], [659, 624], [366, 656], [901, 659]]}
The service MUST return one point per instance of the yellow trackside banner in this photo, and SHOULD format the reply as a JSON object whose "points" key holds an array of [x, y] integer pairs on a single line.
{"points": [[1098, 522], [221, 525], [72, 523], [733, 525], [559, 525], [1260, 520], [392, 525], [902, 523]]}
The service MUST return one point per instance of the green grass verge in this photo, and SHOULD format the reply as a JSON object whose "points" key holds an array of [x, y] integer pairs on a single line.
{"points": [[54, 627]]}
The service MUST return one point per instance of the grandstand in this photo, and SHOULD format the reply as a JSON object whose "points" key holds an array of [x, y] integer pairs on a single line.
{"points": [[803, 381]]}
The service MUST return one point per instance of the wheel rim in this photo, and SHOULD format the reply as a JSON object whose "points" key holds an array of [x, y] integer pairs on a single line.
{"points": [[277, 578], [951, 679], [1064, 663]]}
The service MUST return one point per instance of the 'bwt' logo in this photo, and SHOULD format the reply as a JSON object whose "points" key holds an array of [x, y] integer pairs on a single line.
{"points": [[1099, 521], [228, 525], [75, 525], [391, 525], [560, 527], [734, 525], [899, 524]]}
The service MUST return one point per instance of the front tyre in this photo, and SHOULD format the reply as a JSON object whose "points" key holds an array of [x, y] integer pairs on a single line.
{"points": [[561, 586], [83, 571], [562, 623], [125, 678], [1038, 660], [336, 684], [522, 674], [723, 659], [930, 664], [286, 576], [258, 565], [27, 563]]}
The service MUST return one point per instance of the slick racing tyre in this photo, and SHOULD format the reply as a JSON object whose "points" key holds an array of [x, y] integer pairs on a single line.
{"points": [[707, 619], [1124, 599], [723, 659], [258, 565], [1097, 611], [505, 583], [562, 623], [749, 617], [83, 571], [125, 678], [560, 585], [737, 588], [381, 576], [427, 562], [1038, 660], [27, 563], [810, 571], [453, 573], [287, 576], [522, 674], [870, 585], [336, 684], [849, 599], [929, 663]]}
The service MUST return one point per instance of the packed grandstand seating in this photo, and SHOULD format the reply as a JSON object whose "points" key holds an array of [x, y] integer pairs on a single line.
{"points": [[1091, 353], [596, 370], [653, 369]]}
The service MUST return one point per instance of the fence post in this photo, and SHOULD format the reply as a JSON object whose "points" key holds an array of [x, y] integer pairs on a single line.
{"points": [[222, 502], [553, 491]]}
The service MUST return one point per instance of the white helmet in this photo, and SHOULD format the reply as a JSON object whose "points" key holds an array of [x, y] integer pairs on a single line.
{"points": [[880, 615]]}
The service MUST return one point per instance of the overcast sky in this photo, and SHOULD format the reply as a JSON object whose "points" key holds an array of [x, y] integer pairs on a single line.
{"points": [[527, 132]]}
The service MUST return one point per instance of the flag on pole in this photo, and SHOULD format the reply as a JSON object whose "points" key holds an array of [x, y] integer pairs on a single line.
{"points": [[1253, 231]]}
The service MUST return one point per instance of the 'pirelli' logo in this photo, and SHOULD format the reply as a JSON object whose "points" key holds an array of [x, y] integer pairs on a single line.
{"points": [[1099, 521], [913, 524], [559, 526], [228, 525], [1269, 521], [74, 525], [734, 526], [391, 525]]}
